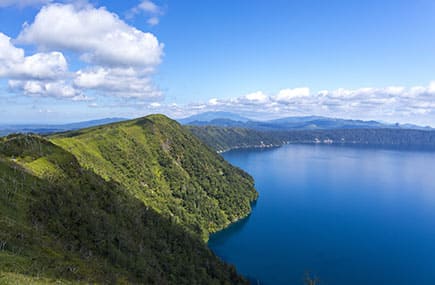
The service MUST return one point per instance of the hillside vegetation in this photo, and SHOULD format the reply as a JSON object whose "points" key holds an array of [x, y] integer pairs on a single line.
{"points": [[166, 167], [129, 204]]}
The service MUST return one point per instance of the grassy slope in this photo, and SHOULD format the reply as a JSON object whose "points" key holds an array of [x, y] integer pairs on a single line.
{"points": [[62, 222], [166, 167]]}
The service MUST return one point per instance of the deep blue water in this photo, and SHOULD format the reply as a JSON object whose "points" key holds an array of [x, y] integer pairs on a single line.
{"points": [[348, 215]]}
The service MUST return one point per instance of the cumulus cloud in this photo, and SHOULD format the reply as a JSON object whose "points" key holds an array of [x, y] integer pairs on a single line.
{"points": [[119, 60], [97, 34], [42, 66], [391, 103], [9, 53], [288, 95], [255, 98], [57, 89], [40, 74], [213, 101], [119, 82], [38, 66]]}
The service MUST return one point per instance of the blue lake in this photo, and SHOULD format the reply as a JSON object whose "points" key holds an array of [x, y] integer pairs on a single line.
{"points": [[348, 215]]}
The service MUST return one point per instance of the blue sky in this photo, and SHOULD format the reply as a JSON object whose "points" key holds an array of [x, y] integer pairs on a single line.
{"points": [[80, 60]]}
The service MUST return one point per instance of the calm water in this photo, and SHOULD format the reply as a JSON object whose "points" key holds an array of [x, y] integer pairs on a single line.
{"points": [[349, 215]]}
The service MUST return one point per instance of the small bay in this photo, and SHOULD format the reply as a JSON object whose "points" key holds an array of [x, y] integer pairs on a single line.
{"points": [[349, 215]]}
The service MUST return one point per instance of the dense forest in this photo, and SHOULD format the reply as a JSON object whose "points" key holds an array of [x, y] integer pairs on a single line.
{"points": [[226, 138], [129, 202], [165, 166]]}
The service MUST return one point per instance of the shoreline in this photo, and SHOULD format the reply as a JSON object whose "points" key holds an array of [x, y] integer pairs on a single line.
{"points": [[236, 221], [335, 143]]}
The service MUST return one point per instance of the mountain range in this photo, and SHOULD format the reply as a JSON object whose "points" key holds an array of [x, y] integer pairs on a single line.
{"points": [[225, 133], [210, 116], [225, 119]]}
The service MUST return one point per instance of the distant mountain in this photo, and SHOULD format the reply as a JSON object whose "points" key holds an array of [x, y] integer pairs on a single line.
{"points": [[227, 138], [210, 116], [219, 123], [297, 123], [321, 123], [92, 123], [53, 128]]}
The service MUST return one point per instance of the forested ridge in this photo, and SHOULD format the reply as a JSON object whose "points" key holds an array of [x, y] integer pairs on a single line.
{"points": [[227, 138], [169, 169], [129, 202]]}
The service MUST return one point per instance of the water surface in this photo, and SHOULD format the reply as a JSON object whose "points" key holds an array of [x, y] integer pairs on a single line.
{"points": [[348, 215]]}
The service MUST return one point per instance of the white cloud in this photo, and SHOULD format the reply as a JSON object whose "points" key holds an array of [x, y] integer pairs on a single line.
{"points": [[91, 79], [288, 95], [118, 82], [119, 59], [394, 90], [38, 66], [213, 102], [9, 53], [415, 104], [254, 98], [150, 9], [40, 74], [431, 88], [99, 36], [22, 3], [155, 104], [149, 6], [57, 89], [153, 21]]}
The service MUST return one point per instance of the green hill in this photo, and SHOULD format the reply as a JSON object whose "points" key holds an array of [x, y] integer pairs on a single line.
{"points": [[122, 203], [166, 167]]}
